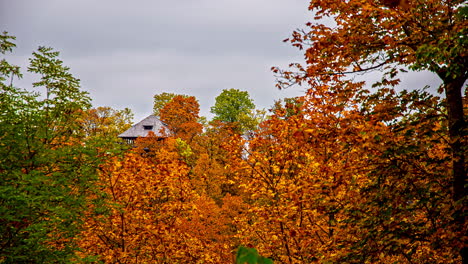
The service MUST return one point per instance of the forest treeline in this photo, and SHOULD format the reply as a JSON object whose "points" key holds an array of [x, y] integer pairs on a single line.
{"points": [[347, 173]]}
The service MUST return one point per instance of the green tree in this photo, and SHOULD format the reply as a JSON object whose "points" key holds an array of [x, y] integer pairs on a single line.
{"points": [[235, 106], [47, 175]]}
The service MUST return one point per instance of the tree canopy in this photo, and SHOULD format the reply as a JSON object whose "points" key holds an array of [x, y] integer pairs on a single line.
{"points": [[48, 174], [389, 37], [160, 100], [106, 122], [236, 107], [231, 104], [348, 172], [181, 116]]}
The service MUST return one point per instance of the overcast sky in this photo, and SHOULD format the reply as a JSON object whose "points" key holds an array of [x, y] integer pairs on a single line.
{"points": [[125, 51]]}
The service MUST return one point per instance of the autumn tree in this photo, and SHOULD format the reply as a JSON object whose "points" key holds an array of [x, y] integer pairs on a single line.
{"points": [[288, 107], [291, 188], [181, 117], [106, 122], [211, 173], [349, 184], [160, 100], [47, 174], [379, 35], [410, 187], [148, 193], [391, 37], [210, 220], [155, 215]]}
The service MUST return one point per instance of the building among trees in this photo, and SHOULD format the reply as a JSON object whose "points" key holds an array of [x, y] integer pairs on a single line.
{"points": [[141, 129]]}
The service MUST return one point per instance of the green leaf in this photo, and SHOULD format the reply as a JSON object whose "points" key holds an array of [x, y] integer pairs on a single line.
{"points": [[250, 256]]}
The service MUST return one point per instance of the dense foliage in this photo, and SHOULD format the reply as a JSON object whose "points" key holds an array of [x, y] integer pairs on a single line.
{"points": [[160, 100], [48, 170], [348, 173], [237, 108]]}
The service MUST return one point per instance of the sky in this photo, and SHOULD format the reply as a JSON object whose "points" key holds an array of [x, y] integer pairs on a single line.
{"points": [[124, 52]]}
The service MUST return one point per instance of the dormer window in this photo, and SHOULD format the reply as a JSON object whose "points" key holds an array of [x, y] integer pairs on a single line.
{"points": [[148, 127]]}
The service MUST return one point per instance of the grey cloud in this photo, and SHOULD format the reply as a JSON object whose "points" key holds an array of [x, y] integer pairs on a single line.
{"points": [[84, 26], [126, 51], [146, 74]]}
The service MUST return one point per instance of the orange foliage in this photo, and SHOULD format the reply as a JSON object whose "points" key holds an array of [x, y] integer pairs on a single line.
{"points": [[340, 175], [147, 197], [334, 184], [105, 122], [410, 147], [181, 116], [155, 215], [345, 179]]}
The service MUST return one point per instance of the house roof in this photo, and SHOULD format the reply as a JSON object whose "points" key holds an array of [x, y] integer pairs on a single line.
{"points": [[142, 128]]}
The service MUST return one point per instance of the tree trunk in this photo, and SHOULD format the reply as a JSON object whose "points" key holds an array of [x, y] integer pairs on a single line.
{"points": [[457, 130], [457, 126]]}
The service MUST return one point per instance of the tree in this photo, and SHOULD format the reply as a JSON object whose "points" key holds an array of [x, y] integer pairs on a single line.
{"points": [[155, 214], [160, 100], [181, 117], [389, 36], [147, 196], [106, 122], [335, 185], [288, 106], [234, 106], [211, 173], [47, 175]]}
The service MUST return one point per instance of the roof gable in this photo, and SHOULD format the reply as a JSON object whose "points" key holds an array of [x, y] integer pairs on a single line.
{"points": [[142, 128]]}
